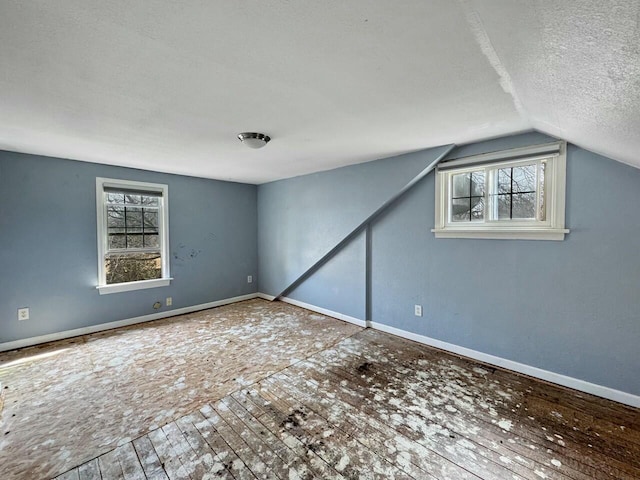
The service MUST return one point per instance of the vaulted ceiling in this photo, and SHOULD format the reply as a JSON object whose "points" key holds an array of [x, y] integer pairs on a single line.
{"points": [[167, 86]]}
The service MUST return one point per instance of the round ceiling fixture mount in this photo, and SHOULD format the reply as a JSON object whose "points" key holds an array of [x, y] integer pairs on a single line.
{"points": [[254, 139]]}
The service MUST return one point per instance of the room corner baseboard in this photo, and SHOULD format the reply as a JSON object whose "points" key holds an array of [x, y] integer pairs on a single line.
{"points": [[559, 379], [264, 296], [27, 342], [324, 311], [313, 308]]}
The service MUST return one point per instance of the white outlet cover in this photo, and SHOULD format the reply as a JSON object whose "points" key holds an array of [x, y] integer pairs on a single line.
{"points": [[249, 279], [23, 314], [169, 301], [418, 310]]}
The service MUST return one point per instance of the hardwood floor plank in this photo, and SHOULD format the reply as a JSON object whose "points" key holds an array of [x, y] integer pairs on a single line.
{"points": [[110, 467], [614, 467], [131, 467], [190, 458], [263, 450], [431, 434], [219, 445], [149, 460], [345, 454], [89, 470], [321, 468], [248, 456], [169, 458], [484, 434], [288, 457], [242, 397], [605, 409], [628, 435], [214, 462], [494, 410], [374, 434]]}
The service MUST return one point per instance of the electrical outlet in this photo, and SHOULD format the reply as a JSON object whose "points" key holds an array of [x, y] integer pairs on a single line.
{"points": [[169, 301], [417, 310], [23, 313], [249, 279]]}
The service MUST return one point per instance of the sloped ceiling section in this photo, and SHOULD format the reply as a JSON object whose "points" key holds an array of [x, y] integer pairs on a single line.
{"points": [[574, 67], [167, 85]]}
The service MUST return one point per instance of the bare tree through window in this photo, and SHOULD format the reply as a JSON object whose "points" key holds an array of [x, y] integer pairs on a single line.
{"points": [[467, 201], [511, 193], [133, 242]]}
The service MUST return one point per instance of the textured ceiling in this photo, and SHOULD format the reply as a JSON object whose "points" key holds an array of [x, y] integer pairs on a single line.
{"points": [[167, 85], [575, 68]]}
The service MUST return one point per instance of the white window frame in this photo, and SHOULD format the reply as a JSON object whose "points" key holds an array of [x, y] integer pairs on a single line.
{"points": [[552, 228], [163, 228]]}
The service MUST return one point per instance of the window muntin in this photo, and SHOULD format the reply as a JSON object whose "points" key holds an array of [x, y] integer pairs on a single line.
{"points": [[512, 194], [467, 196], [132, 235]]}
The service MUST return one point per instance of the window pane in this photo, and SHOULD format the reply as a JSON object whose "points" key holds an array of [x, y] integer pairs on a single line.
{"points": [[150, 201], [504, 180], [133, 267], [524, 178], [477, 184], [115, 197], [151, 241], [150, 219], [115, 217], [460, 210], [524, 206], [477, 208], [134, 241], [131, 199], [134, 218], [117, 238], [461, 185], [504, 207]]}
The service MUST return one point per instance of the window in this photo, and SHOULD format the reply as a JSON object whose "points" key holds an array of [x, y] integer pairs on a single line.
{"points": [[133, 240], [515, 194]]}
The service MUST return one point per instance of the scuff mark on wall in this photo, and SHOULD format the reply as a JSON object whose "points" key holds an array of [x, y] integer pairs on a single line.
{"points": [[184, 253]]}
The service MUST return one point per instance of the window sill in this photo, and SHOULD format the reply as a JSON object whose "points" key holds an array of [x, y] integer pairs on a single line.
{"points": [[503, 234], [129, 286]]}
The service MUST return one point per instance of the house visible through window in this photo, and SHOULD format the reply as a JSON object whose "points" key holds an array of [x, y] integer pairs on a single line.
{"points": [[132, 235], [513, 194]]}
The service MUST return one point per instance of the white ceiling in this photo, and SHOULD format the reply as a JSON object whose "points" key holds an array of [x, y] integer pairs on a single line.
{"points": [[166, 86]]}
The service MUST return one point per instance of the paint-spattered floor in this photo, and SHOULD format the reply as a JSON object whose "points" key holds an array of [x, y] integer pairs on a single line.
{"points": [[356, 404], [67, 402]]}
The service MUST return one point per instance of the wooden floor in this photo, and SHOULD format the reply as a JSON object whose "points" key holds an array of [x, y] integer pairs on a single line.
{"points": [[376, 406], [70, 401]]}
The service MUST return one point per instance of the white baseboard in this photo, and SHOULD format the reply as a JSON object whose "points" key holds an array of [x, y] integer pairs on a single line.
{"points": [[313, 308], [576, 384], [264, 296], [559, 379], [27, 342]]}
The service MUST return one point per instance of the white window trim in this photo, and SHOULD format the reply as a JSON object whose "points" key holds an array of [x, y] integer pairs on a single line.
{"points": [[555, 188], [102, 287]]}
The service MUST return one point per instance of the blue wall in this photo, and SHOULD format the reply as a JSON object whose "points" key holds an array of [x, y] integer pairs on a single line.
{"points": [[48, 258], [570, 307]]}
